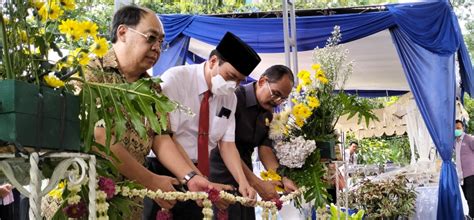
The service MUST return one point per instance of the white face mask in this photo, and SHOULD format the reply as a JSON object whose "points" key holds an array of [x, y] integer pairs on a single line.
{"points": [[220, 86]]}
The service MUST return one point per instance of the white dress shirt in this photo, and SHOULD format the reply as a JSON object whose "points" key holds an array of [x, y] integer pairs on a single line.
{"points": [[352, 159], [186, 85]]}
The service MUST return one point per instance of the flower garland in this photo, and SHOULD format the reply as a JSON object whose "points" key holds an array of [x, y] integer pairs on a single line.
{"points": [[106, 190]]}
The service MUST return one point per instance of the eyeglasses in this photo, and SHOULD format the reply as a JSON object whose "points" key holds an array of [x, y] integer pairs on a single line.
{"points": [[152, 39], [275, 98]]}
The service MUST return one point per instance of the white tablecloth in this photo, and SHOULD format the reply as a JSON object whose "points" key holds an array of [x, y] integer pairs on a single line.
{"points": [[427, 203]]}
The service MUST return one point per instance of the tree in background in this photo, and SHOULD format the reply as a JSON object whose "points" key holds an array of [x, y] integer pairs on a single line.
{"points": [[464, 9], [380, 150]]}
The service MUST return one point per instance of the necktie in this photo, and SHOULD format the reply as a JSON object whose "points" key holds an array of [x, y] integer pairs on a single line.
{"points": [[203, 135]]}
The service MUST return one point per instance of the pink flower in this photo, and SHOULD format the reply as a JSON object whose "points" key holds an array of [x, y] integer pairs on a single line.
{"points": [[277, 202], [75, 211], [164, 215], [213, 195], [107, 185]]}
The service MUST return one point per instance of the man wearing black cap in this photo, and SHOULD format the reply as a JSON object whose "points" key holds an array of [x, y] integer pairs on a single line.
{"points": [[208, 90]]}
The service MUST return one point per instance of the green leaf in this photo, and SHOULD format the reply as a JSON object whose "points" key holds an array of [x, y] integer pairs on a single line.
{"points": [[134, 118], [120, 121], [89, 114], [146, 106]]}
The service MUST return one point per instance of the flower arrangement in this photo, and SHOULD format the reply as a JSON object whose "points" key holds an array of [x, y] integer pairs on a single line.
{"points": [[47, 30], [45, 45], [316, 105]]}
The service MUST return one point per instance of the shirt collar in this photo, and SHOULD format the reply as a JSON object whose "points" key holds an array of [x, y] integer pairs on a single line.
{"points": [[109, 62], [201, 80], [460, 137], [250, 97]]}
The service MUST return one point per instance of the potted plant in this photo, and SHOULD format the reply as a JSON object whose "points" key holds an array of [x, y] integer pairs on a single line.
{"points": [[317, 103], [392, 198], [34, 111], [44, 48]]}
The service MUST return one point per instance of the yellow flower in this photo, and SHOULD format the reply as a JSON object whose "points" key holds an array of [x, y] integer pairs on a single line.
{"points": [[53, 81], [299, 122], [6, 20], [70, 60], [323, 80], [99, 47], [23, 36], [76, 34], [89, 28], [68, 4], [305, 77], [67, 26], [38, 4], [316, 66], [313, 102], [321, 76], [273, 175], [264, 175], [81, 57], [51, 12], [298, 88], [301, 111], [58, 191]]}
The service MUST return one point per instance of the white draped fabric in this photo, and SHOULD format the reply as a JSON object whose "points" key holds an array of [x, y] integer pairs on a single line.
{"points": [[420, 139]]}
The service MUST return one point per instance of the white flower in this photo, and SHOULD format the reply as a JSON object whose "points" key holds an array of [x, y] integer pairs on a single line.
{"points": [[101, 195], [125, 191], [72, 200], [102, 207], [74, 188], [105, 217], [294, 153]]}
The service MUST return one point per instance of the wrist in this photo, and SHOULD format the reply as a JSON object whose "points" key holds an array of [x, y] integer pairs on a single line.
{"points": [[279, 170], [188, 177]]}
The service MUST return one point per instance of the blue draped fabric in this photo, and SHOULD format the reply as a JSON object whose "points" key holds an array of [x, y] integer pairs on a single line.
{"points": [[435, 97], [175, 55], [426, 36]]}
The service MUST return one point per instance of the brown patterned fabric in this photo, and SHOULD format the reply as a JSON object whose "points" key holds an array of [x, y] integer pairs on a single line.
{"points": [[106, 70]]}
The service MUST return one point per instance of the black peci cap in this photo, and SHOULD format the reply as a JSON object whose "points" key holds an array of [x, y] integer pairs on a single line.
{"points": [[240, 55]]}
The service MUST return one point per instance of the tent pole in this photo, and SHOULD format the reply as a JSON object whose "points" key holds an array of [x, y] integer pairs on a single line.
{"points": [[290, 41], [293, 40]]}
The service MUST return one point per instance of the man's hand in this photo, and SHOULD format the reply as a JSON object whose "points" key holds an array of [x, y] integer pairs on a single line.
{"points": [[288, 185], [266, 189], [165, 184], [198, 184], [5, 189], [220, 187], [247, 191], [222, 204]]}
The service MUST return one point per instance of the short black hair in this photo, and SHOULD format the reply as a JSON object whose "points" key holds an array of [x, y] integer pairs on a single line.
{"points": [[276, 72], [129, 15], [354, 142], [218, 55], [459, 121]]}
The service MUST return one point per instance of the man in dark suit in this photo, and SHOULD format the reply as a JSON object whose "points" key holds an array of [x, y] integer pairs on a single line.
{"points": [[255, 103]]}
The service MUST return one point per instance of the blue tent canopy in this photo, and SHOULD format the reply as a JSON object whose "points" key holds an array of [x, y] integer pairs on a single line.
{"points": [[426, 43]]}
